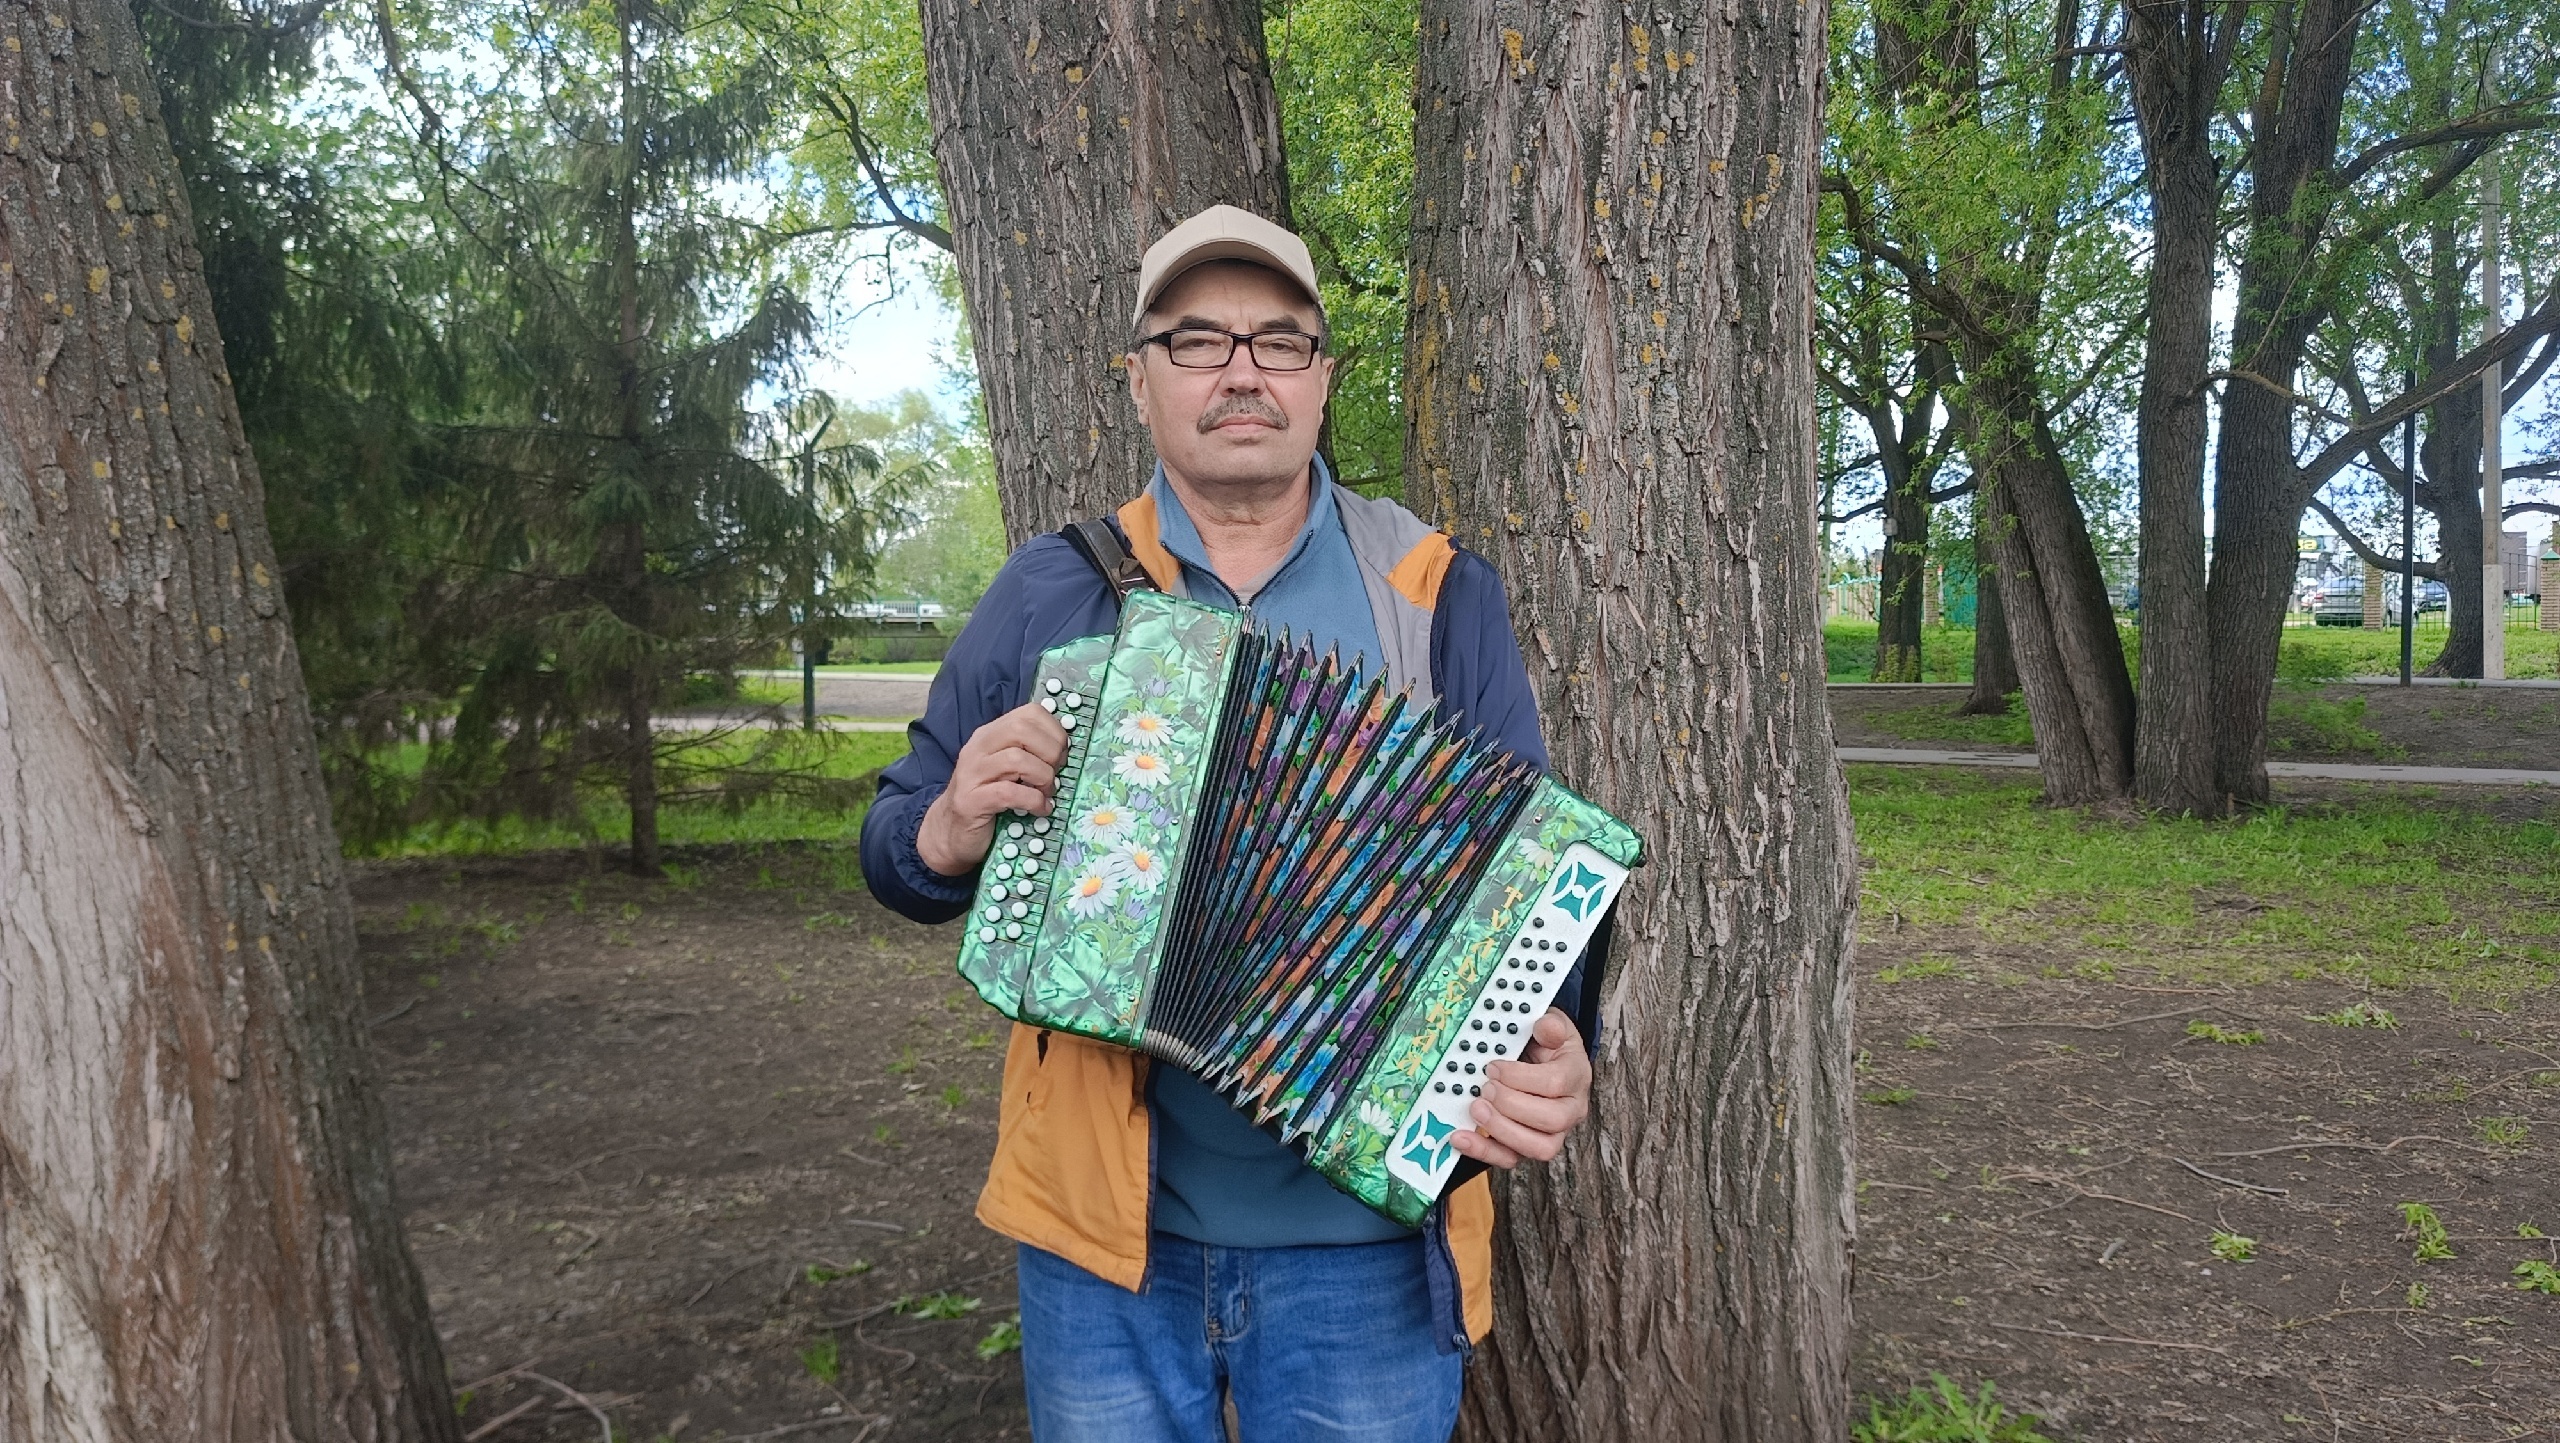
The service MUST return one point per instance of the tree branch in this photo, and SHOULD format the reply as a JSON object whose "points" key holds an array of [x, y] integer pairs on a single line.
{"points": [[2489, 124], [849, 116], [2463, 370], [2427, 569]]}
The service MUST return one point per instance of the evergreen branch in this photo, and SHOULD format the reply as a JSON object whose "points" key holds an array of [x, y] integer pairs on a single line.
{"points": [[293, 21]]}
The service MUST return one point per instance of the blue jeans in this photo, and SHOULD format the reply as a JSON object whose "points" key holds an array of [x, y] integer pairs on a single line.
{"points": [[1330, 1343]]}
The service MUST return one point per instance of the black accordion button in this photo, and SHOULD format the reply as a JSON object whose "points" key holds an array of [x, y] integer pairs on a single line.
{"points": [[1469, 1068], [1475, 1092], [1453, 1067]]}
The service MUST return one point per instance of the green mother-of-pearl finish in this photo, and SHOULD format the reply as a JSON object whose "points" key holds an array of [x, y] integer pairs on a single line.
{"points": [[1089, 975], [1171, 660], [996, 969], [1352, 1153]]}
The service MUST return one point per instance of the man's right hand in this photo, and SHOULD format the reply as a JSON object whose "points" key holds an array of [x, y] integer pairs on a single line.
{"points": [[1009, 765]]}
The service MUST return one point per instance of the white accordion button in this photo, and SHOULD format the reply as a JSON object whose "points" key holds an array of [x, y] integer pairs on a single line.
{"points": [[1575, 896]]}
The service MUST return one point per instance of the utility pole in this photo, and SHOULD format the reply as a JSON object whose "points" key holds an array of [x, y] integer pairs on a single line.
{"points": [[2493, 527], [809, 588], [2409, 529]]}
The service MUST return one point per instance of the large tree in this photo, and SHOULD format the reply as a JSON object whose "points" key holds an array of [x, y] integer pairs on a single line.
{"points": [[1070, 136], [197, 1232], [1611, 383], [2027, 280]]}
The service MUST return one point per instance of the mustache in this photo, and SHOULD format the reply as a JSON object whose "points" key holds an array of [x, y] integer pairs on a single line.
{"points": [[1246, 404]]}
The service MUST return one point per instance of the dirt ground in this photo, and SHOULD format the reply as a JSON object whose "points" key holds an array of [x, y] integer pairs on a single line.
{"points": [[2424, 726], [631, 1118]]}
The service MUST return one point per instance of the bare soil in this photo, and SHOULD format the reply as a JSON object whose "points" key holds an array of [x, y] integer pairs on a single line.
{"points": [[2422, 726], [630, 1118]]}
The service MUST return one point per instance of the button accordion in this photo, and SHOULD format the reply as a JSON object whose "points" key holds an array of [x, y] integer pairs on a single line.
{"points": [[1312, 892]]}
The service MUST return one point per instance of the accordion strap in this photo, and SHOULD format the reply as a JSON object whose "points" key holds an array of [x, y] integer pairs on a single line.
{"points": [[1099, 543]]}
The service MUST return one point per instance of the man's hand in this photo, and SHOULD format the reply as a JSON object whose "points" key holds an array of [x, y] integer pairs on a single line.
{"points": [[1529, 1105], [1008, 765]]}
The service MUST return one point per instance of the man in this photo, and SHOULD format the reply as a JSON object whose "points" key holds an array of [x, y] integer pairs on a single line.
{"points": [[1175, 1258]]}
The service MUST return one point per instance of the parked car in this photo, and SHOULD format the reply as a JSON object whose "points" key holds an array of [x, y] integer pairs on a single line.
{"points": [[2339, 601]]}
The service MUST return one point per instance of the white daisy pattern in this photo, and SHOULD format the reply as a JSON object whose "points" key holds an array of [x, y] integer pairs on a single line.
{"points": [[1145, 729], [1136, 866], [1376, 1116], [1104, 825], [1143, 770], [1092, 894]]}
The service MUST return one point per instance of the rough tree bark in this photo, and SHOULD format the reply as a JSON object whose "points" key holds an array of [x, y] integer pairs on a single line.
{"points": [[1069, 136], [2259, 494], [197, 1233], [2178, 53], [1995, 662], [1610, 371], [2053, 596]]}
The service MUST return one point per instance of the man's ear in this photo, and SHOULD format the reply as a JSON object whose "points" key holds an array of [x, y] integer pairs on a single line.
{"points": [[1135, 364]]}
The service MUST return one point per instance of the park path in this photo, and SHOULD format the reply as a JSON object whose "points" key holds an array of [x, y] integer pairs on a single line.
{"points": [[2321, 771]]}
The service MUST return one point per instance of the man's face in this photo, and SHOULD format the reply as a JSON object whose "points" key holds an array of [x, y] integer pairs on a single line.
{"points": [[1237, 424]]}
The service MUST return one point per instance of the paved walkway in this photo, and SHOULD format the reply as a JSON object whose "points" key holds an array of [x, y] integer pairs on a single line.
{"points": [[2431, 776]]}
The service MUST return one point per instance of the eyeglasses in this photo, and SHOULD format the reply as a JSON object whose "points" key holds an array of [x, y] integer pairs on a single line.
{"points": [[1200, 349]]}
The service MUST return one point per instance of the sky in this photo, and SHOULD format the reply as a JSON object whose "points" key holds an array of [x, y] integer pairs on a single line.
{"points": [[877, 339]]}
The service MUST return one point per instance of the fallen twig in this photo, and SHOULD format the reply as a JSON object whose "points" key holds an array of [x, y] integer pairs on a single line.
{"points": [[706, 1288], [2231, 1181], [583, 1249], [498, 1377], [2111, 1338], [2106, 1026], [581, 1399], [2359, 1146], [870, 1223], [868, 1422], [573, 1169], [503, 1419], [393, 1013], [2289, 1324]]}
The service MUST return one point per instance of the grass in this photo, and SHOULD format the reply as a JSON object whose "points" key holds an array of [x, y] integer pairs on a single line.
{"points": [[2377, 653], [1946, 652], [781, 816], [881, 668], [1943, 1413], [2389, 893], [1942, 723], [1849, 651]]}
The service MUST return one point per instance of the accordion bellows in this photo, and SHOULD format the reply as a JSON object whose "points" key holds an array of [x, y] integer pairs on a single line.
{"points": [[1286, 878]]}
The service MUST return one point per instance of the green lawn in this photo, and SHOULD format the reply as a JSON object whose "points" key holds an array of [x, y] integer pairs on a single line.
{"points": [[818, 799], [2392, 892]]}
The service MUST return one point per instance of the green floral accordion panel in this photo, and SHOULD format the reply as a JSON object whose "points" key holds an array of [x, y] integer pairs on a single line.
{"points": [[1267, 869]]}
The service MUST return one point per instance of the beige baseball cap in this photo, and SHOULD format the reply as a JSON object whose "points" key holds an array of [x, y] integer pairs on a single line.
{"points": [[1223, 233]]}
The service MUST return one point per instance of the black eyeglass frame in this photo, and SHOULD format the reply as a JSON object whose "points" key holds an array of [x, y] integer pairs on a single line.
{"points": [[1234, 339]]}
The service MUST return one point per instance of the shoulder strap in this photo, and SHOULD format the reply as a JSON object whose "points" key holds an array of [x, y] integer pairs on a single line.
{"points": [[1099, 543]]}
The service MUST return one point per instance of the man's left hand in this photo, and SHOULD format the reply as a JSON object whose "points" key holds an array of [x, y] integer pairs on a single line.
{"points": [[1529, 1105]]}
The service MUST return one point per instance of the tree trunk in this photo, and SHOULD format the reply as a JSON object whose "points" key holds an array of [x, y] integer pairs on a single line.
{"points": [[1610, 370], [1904, 573], [2259, 493], [2053, 595], [198, 1238], [2449, 464], [1069, 136], [2177, 68], [1995, 662]]}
